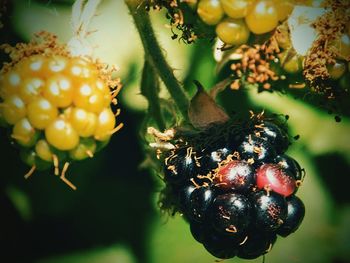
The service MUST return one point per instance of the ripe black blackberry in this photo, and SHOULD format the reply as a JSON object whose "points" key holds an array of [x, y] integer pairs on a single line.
{"points": [[235, 186], [295, 215]]}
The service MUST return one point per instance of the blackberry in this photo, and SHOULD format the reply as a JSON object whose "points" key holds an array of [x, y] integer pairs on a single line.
{"points": [[275, 135], [256, 148], [235, 187], [231, 214], [56, 103], [197, 231], [257, 243], [220, 246], [211, 159], [295, 215], [290, 165], [200, 200], [270, 210], [233, 20], [184, 197], [180, 165]]}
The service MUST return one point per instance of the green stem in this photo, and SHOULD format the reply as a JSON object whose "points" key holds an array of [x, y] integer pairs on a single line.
{"points": [[150, 89], [154, 55]]}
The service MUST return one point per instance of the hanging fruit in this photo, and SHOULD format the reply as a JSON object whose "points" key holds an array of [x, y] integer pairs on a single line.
{"points": [[57, 100], [231, 180]]}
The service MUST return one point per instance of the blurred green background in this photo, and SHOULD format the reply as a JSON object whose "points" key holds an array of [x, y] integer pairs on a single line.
{"points": [[114, 216]]}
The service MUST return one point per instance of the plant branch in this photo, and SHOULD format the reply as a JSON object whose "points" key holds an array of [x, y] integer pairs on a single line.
{"points": [[154, 55], [150, 89]]}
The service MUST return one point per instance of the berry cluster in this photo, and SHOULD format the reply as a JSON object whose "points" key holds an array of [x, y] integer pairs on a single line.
{"points": [[236, 190], [234, 20], [56, 107]]}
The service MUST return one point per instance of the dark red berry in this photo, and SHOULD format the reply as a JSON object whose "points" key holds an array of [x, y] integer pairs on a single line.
{"points": [[200, 200], [257, 243], [220, 246], [256, 149], [289, 164], [296, 213], [270, 210], [231, 214], [272, 177], [277, 137], [235, 175]]}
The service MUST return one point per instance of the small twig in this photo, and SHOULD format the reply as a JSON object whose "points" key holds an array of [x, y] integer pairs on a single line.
{"points": [[154, 55]]}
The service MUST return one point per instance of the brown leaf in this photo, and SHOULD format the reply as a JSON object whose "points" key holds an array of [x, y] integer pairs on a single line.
{"points": [[204, 111]]}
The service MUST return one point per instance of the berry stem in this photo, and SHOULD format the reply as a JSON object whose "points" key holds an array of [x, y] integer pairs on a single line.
{"points": [[154, 55], [150, 89]]}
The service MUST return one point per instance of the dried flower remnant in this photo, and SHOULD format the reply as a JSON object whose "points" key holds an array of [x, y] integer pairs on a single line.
{"points": [[254, 65], [325, 51], [159, 4]]}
